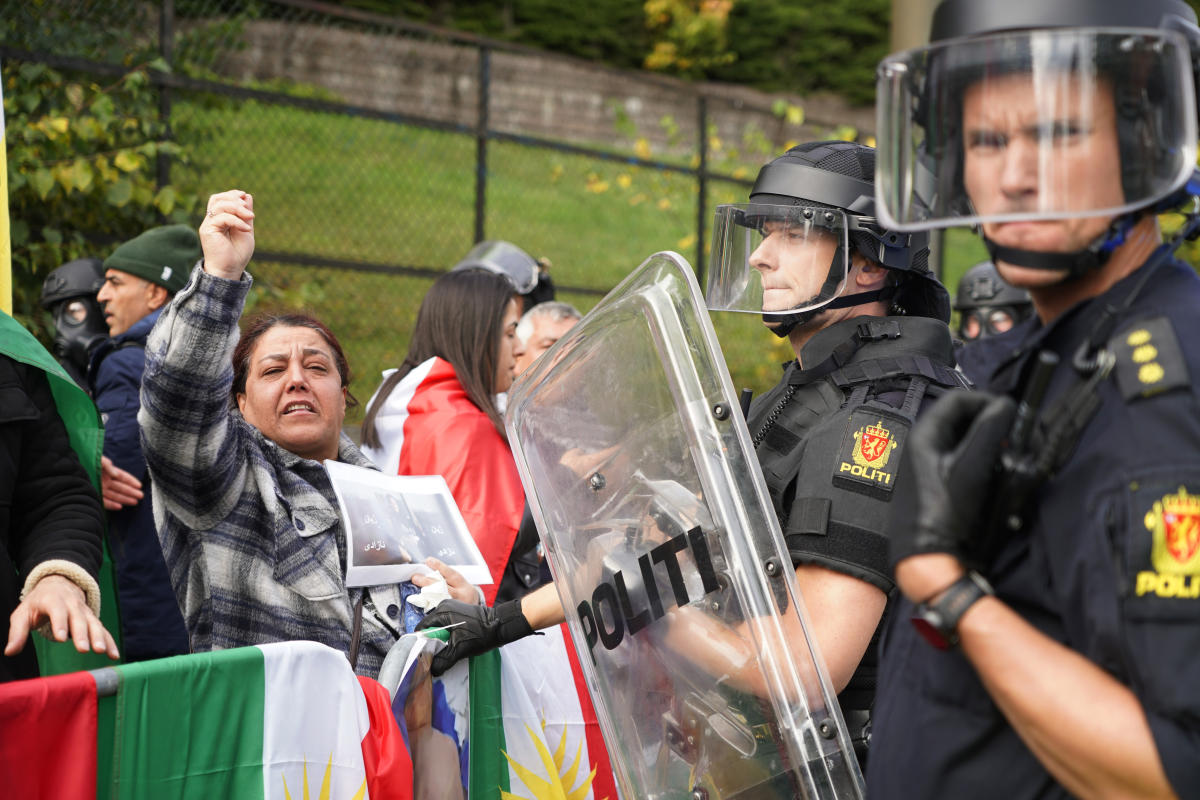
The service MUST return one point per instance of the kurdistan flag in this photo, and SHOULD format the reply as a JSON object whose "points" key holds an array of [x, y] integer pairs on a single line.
{"points": [[286, 720], [534, 734]]}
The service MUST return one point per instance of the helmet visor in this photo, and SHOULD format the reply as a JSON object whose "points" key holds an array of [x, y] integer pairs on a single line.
{"points": [[506, 259], [1033, 125], [777, 260]]}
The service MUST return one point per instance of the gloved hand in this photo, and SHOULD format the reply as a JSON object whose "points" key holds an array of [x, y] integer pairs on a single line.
{"points": [[949, 472], [477, 630]]}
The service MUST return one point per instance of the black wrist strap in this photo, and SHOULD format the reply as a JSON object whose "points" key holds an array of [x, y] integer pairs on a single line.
{"points": [[938, 621]]}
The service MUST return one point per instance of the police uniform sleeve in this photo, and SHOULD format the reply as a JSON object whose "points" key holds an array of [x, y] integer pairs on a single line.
{"points": [[1153, 523], [843, 492]]}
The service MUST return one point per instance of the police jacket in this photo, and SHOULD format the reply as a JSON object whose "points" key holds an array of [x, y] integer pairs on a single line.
{"points": [[1108, 563], [829, 438]]}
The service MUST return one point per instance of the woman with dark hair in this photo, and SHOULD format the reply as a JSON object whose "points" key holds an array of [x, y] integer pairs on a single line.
{"points": [[438, 414], [235, 432]]}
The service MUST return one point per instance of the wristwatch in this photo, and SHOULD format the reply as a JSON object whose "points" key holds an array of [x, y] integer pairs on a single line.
{"points": [[938, 621]]}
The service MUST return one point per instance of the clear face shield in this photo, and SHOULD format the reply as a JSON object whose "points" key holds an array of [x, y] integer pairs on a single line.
{"points": [[1033, 125], [778, 260]]}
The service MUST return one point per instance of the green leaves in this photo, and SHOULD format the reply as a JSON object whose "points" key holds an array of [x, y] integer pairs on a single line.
{"points": [[82, 157]]}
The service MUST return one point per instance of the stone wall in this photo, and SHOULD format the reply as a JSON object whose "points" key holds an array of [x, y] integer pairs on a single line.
{"points": [[532, 93]]}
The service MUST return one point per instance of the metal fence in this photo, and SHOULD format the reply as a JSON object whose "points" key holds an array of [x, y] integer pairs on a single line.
{"points": [[379, 151]]}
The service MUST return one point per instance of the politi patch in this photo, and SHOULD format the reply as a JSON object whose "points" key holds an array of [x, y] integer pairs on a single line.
{"points": [[869, 457]]}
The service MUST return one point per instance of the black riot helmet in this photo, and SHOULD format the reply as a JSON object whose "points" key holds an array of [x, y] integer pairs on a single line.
{"points": [[819, 198], [986, 305], [1027, 110], [69, 293]]}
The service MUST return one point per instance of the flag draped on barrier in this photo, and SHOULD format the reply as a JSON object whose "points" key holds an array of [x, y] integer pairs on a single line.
{"points": [[286, 720]]}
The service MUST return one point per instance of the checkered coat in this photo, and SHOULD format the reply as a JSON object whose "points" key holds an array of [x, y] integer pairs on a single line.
{"points": [[250, 531]]}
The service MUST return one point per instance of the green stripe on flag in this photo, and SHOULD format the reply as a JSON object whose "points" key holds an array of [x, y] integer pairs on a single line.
{"points": [[489, 769], [200, 737]]}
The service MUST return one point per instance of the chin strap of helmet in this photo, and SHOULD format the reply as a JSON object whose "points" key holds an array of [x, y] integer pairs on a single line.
{"points": [[788, 322], [1076, 263], [1095, 255]]}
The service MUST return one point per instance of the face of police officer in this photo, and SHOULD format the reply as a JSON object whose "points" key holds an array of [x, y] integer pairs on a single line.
{"points": [[511, 347], [1019, 157], [793, 262], [980, 323]]}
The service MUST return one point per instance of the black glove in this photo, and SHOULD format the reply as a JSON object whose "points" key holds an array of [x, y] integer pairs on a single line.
{"points": [[950, 470], [477, 630]]}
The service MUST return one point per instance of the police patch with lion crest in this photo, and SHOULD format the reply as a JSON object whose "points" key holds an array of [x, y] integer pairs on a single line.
{"points": [[869, 455], [1173, 521]]}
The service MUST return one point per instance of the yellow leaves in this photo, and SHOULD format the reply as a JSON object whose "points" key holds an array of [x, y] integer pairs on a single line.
{"points": [[128, 161], [638, 199], [740, 172], [794, 115], [641, 148], [624, 180], [870, 141], [42, 182], [686, 243], [556, 172], [58, 125], [596, 184], [664, 203]]}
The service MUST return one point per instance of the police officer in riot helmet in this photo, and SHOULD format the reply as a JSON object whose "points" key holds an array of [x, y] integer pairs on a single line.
{"points": [[1046, 547], [69, 293], [988, 306], [867, 321]]}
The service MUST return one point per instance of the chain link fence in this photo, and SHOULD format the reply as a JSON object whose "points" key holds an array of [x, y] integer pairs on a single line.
{"points": [[379, 151]]}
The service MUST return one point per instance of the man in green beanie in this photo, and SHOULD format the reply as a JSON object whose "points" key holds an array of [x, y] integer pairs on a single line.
{"points": [[140, 278]]}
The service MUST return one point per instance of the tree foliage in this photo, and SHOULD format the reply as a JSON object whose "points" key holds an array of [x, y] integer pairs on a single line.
{"points": [[82, 150], [689, 35]]}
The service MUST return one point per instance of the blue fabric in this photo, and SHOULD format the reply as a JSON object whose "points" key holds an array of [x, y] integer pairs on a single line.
{"points": [[151, 623], [1076, 574]]}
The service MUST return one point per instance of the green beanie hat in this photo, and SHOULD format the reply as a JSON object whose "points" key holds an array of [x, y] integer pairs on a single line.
{"points": [[163, 255]]}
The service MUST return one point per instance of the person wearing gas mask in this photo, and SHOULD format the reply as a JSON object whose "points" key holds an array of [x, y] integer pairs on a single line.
{"points": [[140, 277], [987, 307], [69, 294], [1049, 551], [867, 321]]}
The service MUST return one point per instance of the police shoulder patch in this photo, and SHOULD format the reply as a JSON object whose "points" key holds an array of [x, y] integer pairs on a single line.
{"points": [[1149, 359], [1171, 568], [869, 455]]}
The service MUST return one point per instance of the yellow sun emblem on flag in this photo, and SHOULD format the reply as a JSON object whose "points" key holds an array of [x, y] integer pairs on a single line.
{"points": [[558, 786], [325, 781]]}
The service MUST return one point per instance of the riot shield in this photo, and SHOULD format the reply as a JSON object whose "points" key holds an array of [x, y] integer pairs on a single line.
{"points": [[668, 558]]}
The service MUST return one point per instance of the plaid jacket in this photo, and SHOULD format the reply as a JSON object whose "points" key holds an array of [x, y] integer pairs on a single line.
{"points": [[250, 531]]}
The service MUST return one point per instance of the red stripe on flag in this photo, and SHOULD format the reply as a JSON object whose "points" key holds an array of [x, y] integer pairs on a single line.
{"points": [[48, 735], [604, 784], [387, 761]]}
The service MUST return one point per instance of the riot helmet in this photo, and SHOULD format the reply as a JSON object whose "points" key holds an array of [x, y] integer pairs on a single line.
{"points": [[505, 258], [986, 305], [1027, 110], [69, 293], [809, 211]]}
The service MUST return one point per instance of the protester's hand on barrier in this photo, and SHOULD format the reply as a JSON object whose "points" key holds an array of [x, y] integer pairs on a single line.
{"points": [[477, 629], [118, 488], [459, 587], [227, 234], [59, 601], [949, 465]]}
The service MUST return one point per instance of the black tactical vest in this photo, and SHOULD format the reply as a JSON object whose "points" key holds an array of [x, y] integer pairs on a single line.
{"points": [[828, 438]]}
